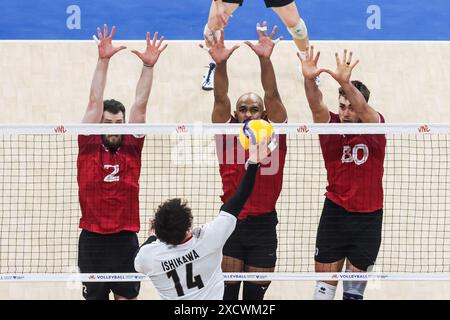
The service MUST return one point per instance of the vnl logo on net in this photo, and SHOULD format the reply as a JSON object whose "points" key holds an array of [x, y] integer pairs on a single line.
{"points": [[240, 276], [362, 276]]}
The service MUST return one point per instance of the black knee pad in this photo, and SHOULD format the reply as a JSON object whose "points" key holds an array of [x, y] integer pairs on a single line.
{"points": [[231, 291], [254, 291]]}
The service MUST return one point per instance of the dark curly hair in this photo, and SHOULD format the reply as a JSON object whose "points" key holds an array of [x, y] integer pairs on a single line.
{"points": [[173, 219], [361, 87]]}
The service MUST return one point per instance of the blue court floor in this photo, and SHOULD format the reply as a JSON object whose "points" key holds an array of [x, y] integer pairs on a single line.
{"points": [[184, 19]]}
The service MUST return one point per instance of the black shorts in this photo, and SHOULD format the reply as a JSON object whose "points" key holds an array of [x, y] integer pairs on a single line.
{"points": [[254, 241], [269, 3], [112, 253], [342, 234]]}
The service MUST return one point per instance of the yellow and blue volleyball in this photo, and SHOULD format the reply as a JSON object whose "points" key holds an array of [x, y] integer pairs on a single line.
{"points": [[255, 130]]}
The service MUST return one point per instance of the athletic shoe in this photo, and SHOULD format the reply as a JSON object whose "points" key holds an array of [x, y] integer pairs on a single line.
{"points": [[208, 77]]}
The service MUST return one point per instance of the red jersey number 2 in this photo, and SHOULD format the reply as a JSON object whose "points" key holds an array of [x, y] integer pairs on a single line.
{"points": [[112, 177]]}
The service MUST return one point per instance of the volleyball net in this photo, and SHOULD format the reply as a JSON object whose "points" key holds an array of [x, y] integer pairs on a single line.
{"points": [[40, 211]]}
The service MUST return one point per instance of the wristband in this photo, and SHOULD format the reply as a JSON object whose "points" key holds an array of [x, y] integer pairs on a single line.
{"points": [[249, 162]]}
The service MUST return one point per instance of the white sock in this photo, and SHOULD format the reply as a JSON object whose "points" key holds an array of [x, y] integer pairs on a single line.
{"points": [[324, 291]]}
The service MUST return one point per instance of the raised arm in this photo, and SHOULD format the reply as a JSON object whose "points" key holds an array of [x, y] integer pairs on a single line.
{"points": [[314, 96], [220, 54], [149, 58], [257, 153], [106, 50], [222, 104], [276, 111], [342, 75]]}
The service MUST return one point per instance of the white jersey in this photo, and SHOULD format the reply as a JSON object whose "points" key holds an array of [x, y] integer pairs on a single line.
{"points": [[191, 270]]}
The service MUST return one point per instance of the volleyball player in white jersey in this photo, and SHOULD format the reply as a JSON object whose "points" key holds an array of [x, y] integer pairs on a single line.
{"points": [[185, 263]]}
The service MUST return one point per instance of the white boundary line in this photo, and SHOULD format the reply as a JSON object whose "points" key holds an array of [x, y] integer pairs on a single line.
{"points": [[201, 41], [300, 276], [211, 129]]}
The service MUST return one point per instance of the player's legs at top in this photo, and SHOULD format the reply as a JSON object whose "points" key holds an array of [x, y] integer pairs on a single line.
{"points": [[288, 13], [212, 29], [216, 12]]}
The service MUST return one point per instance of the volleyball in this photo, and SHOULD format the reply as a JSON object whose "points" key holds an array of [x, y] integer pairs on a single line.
{"points": [[255, 130]]}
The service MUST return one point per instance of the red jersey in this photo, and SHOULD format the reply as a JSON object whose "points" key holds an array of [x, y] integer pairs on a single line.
{"points": [[108, 184], [355, 169], [269, 178]]}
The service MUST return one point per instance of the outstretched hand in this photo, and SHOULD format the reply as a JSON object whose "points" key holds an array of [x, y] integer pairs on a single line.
{"points": [[344, 68], [310, 69], [218, 52], [105, 48], [258, 152], [151, 54], [265, 45]]}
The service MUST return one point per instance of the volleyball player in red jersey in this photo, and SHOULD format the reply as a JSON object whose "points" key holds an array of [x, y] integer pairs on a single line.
{"points": [[108, 178], [351, 222], [252, 246]]}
